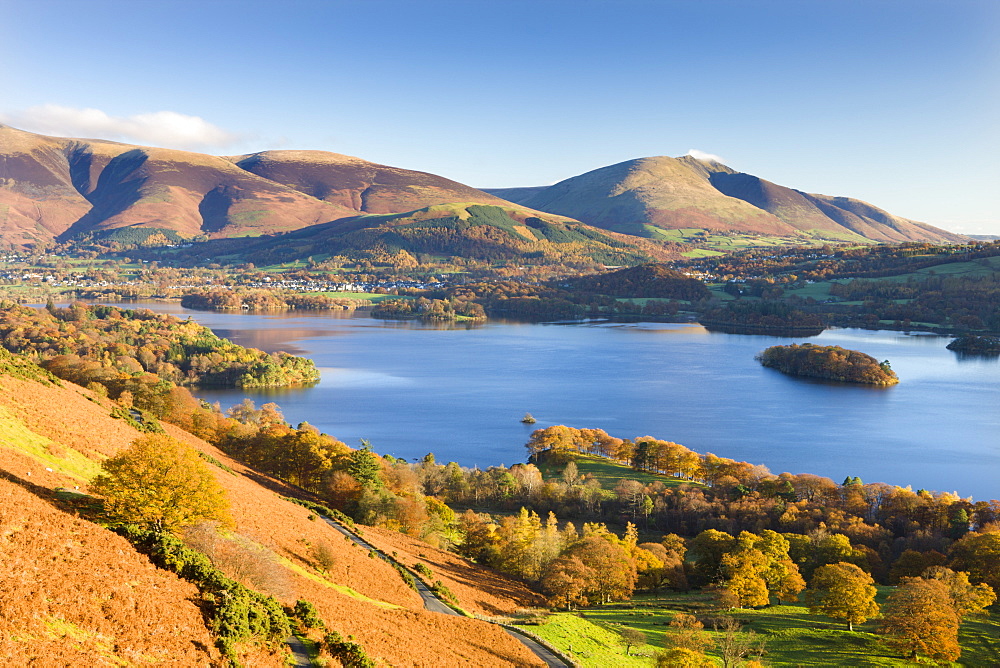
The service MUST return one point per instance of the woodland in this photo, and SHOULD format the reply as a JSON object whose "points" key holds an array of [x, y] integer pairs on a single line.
{"points": [[127, 349]]}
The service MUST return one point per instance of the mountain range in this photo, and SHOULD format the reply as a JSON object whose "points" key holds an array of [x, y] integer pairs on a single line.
{"points": [[61, 189]]}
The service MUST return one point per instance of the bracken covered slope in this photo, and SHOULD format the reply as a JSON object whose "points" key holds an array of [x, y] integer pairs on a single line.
{"points": [[52, 187], [74, 591], [56, 187], [359, 185]]}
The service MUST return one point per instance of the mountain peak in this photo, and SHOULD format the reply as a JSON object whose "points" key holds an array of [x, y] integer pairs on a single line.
{"points": [[656, 195]]}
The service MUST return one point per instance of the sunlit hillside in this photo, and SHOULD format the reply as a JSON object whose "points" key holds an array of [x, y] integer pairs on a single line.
{"points": [[76, 592]]}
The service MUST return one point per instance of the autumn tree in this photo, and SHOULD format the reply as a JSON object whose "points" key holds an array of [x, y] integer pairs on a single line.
{"points": [[670, 571], [919, 618], [686, 632], [966, 598], [744, 568], [706, 549], [782, 576], [565, 582], [160, 481], [614, 571], [978, 554], [842, 591], [680, 657], [758, 567]]}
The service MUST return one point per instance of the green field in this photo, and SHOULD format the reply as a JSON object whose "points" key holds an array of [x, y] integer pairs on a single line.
{"points": [[373, 297], [702, 252], [983, 267], [719, 244], [792, 636], [590, 643], [610, 473]]}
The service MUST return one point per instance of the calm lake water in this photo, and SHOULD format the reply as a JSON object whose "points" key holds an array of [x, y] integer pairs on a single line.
{"points": [[460, 392]]}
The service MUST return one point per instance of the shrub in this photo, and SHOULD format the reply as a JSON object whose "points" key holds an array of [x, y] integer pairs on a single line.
{"points": [[306, 613], [348, 652], [234, 612], [241, 559], [325, 555]]}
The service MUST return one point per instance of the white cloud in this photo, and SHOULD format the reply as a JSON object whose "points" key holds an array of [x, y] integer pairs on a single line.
{"points": [[701, 155], [169, 129]]}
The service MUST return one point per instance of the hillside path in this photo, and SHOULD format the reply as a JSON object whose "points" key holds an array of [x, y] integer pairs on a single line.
{"points": [[434, 604], [431, 602], [299, 653], [540, 651]]}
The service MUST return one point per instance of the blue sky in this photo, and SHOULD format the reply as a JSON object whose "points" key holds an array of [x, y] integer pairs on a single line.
{"points": [[896, 102]]}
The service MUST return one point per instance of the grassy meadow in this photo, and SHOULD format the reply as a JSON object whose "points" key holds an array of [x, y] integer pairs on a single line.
{"points": [[791, 635], [610, 473]]}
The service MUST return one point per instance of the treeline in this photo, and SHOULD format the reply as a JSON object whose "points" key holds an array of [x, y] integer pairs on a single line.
{"points": [[651, 280], [771, 316], [119, 347], [826, 263], [552, 300], [266, 300], [964, 302], [829, 362], [881, 522]]}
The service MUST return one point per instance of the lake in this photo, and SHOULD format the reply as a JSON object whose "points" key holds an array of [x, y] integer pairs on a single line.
{"points": [[460, 393]]}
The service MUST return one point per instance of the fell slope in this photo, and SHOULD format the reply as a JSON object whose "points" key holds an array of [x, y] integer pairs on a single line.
{"points": [[643, 195], [483, 232], [72, 593], [58, 433], [359, 185], [56, 187]]}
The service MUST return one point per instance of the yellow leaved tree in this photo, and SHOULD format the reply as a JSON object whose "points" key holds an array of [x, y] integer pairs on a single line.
{"points": [[161, 482]]}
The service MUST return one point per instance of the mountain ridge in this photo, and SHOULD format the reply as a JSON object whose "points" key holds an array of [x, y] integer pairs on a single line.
{"points": [[55, 189], [667, 193]]}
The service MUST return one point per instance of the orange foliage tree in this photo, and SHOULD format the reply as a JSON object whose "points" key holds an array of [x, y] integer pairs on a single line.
{"points": [[161, 482], [842, 591]]}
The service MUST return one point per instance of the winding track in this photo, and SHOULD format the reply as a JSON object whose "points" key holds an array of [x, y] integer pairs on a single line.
{"points": [[434, 604], [299, 654]]}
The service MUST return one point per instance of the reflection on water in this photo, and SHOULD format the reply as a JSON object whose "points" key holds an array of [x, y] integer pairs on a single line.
{"points": [[270, 340], [461, 392], [352, 378]]}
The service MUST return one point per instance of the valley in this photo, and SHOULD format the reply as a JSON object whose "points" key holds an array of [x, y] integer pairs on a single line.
{"points": [[353, 349]]}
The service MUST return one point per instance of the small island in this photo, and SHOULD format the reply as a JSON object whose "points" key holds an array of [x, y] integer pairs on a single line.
{"points": [[828, 362], [976, 345]]}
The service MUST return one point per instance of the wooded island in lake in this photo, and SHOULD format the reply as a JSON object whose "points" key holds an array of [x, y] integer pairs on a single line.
{"points": [[828, 362]]}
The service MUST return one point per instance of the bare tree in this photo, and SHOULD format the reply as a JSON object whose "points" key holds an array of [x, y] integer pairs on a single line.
{"points": [[631, 638], [735, 645]]}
